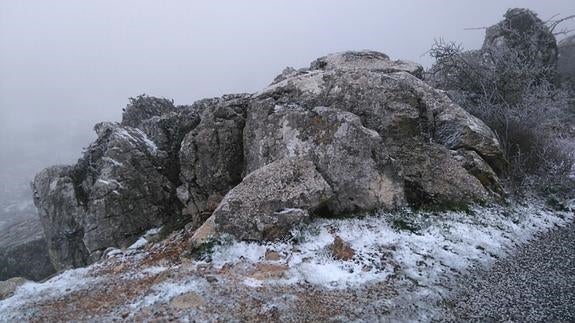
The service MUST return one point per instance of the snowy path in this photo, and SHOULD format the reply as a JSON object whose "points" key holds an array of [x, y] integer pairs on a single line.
{"points": [[535, 284]]}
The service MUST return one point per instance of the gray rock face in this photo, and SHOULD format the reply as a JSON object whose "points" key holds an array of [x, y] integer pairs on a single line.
{"points": [[271, 200], [475, 165], [114, 193], [60, 213], [211, 157], [127, 180], [124, 187], [453, 127], [352, 158], [524, 31], [419, 125], [566, 61], [165, 125]]}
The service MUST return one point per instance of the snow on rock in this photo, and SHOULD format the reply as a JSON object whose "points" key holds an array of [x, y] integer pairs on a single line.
{"points": [[145, 238], [252, 282], [63, 284], [139, 244], [141, 137], [112, 161], [150, 144]]}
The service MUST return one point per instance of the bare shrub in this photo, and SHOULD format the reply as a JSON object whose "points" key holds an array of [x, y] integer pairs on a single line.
{"points": [[516, 95]]}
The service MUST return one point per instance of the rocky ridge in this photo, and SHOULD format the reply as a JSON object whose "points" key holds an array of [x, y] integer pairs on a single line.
{"points": [[354, 132]]}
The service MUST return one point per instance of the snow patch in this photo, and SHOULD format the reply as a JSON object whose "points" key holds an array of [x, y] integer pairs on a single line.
{"points": [[287, 210], [164, 292], [150, 144], [443, 244], [146, 272], [110, 182], [238, 251], [254, 283], [153, 231], [145, 238], [123, 133], [112, 161], [139, 244], [295, 146], [416, 252], [12, 308], [311, 82]]}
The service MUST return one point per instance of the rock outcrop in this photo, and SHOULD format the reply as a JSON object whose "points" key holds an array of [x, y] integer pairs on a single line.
{"points": [[354, 132], [60, 214], [352, 158], [418, 125], [523, 31], [114, 193], [211, 157]]}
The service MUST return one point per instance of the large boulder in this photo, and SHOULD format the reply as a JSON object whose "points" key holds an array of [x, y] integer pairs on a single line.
{"points": [[211, 156], [271, 200], [352, 158], [114, 193], [419, 125]]}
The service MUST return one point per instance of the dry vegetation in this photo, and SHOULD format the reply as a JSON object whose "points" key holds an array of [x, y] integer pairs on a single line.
{"points": [[513, 87]]}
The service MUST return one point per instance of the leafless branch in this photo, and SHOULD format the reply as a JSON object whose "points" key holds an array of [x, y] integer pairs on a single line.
{"points": [[551, 18], [552, 24], [563, 32], [475, 28]]}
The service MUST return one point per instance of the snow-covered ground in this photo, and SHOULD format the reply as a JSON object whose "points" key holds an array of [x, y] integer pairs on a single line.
{"points": [[413, 256]]}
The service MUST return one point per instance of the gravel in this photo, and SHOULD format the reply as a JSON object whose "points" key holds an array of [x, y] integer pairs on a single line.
{"points": [[534, 284]]}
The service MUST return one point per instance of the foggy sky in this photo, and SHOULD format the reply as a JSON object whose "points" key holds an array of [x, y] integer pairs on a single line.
{"points": [[65, 65]]}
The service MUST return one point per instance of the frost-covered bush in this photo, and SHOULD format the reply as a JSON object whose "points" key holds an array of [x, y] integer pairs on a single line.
{"points": [[513, 88]]}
